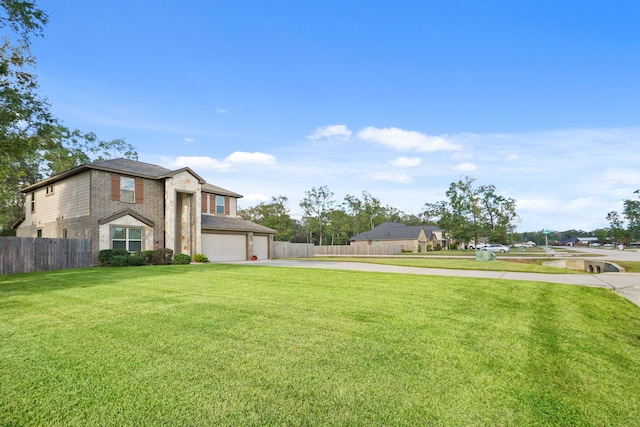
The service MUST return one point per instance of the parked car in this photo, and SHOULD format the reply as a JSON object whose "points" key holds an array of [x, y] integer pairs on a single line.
{"points": [[478, 246], [496, 248]]}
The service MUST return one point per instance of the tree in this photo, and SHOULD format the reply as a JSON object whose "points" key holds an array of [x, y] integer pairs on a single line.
{"points": [[461, 217], [615, 222], [317, 205], [33, 145], [470, 213], [432, 213], [367, 213], [632, 214], [275, 215]]}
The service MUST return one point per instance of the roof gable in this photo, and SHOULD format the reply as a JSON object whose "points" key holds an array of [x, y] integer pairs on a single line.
{"points": [[394, 231]]}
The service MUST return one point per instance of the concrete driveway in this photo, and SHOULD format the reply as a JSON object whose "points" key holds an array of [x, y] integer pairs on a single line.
{"points": [[625, 284]]}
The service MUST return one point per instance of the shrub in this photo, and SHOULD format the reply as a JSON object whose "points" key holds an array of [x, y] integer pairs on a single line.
{"points": [[119, 260], [162, 256], [106, 255], [181, 259], [135, 260], [200, 258], [148, 256]]}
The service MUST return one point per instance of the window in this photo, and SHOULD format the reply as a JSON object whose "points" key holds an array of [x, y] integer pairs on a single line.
{"points": [[65, 234], [50, 189], [33, 202], [220, 205], [126, 238], [39, 233], [127, 189]]}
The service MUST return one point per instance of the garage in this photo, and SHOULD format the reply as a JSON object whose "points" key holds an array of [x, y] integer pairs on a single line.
{"points": [[231, 239], [224, 247], [261, 247]]}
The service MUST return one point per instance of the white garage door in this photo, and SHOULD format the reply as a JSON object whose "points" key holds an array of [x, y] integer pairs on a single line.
{"points": [[261, 247], [224, 247]]}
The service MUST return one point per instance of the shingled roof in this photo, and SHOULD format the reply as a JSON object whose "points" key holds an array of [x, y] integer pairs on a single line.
{"points": [[394, 231], [214, 222], [122, 166]]}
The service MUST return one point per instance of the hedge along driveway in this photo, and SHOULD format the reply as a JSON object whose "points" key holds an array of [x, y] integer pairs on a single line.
{"points": [[240, 345]]}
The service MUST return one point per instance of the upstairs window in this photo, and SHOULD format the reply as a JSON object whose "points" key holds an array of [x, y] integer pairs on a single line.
{"points": [[220, 205], [126, 238], [50, 189], [127, 189], [33, 201]]}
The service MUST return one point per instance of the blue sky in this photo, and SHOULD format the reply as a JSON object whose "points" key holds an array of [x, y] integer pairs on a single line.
{"points": [[398, 98]]}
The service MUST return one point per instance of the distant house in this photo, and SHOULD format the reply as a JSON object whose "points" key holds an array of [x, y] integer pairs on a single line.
{"points": [[126, 204], [587, 240], [577, 241], [568, 242], [412, 238]]}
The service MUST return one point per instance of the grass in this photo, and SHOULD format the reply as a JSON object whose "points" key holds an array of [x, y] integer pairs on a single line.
{"points": [[250, 345], [517, 265]]}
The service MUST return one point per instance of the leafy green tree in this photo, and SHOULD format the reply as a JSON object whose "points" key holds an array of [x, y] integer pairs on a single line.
{"points": [[275, 215], [33, 145], [339, 227], [317, 205], [615, 223], [632, 214], [366, 213], [460, 219]]}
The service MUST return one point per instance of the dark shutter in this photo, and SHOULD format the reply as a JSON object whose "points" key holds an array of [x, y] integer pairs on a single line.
{"points": [[115, 187], [139, 190], [205, 199], [226, 205]]}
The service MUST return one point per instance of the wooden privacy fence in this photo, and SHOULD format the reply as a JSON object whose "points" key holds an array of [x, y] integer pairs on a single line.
{"points": [[293, 250], [358, 250], [27, 254]]}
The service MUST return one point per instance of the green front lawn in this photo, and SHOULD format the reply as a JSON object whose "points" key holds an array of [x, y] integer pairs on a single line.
{"points": [[517, 265], [251, 345]]}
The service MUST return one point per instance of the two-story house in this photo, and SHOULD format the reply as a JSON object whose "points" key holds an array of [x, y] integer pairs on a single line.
{"points": [[126, 204]]}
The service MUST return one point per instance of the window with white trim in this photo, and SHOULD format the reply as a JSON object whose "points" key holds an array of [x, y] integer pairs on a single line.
{"points": [[126, 238]]}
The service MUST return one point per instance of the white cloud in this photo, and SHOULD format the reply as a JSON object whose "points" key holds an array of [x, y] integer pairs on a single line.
{"points": [[221, 110], [405, 140], [206, 163], [400, 178], [465, 167], [197, 163], [255, 158], [254, 199], [406, 162], [338, 132], [189, 140], [512, 157]]}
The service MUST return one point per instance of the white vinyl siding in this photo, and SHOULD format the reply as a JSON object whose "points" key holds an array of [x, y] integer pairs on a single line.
{"points": [[71, 199]]}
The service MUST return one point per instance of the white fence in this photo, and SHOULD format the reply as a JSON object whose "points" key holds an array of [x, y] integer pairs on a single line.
{"points": [[359, 250]]}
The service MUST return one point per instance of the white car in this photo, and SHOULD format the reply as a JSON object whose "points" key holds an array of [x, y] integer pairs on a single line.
{"points": [[496, 248], [478, 246]]}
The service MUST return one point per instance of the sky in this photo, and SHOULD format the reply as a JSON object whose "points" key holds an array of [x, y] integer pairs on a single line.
{"points": [[398, 98]]}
